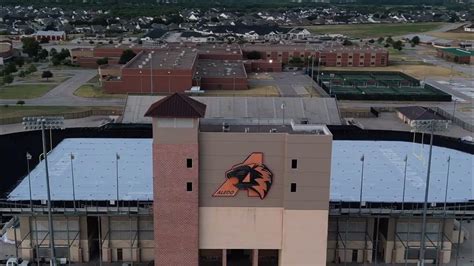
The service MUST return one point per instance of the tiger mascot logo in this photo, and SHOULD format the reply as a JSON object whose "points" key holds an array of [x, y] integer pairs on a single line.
{"points": [[251, 175]]}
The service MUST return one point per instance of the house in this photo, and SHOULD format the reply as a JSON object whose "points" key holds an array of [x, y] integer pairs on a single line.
{"points": [[50, 35]]}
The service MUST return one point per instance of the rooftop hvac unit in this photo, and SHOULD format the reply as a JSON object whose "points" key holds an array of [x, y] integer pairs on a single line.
{"points": [[247, 130], [273, 130], [140, 66]]}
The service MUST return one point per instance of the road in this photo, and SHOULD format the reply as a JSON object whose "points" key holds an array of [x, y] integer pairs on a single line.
{"points": [[63, 94]]}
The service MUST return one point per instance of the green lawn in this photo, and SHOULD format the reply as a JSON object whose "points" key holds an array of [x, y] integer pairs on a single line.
{"points": [[21, 111], [374, 30], [24, 91], [91, 91]]}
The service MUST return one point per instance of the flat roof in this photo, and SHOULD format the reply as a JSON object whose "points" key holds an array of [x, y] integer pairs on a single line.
{"points": [[170, 59], [220, 69], [315, 110], [95, 175]]}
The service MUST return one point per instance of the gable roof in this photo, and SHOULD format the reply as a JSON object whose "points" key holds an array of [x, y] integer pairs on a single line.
{"points": [[177, 105], [419, 113]]}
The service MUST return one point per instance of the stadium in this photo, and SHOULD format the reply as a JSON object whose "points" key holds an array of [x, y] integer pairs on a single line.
{"points": [[378, 85], [189, 189]]}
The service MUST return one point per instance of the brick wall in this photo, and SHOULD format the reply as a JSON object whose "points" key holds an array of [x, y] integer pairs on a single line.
{"points": [[176, 220]]}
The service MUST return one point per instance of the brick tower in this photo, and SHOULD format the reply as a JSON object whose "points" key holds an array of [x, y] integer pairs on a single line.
{"points": [[175, 179]]}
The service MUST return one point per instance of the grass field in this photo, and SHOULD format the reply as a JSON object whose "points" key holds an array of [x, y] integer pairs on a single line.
{"points": [[374, 30], [91, 91], [256, 91], [24, 91], [456, 36]]}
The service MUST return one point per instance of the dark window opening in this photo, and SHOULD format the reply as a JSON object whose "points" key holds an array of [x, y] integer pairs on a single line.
{"points": [[293, 187], [294, 164], [119, 254], [189, 163], [189, 186]]}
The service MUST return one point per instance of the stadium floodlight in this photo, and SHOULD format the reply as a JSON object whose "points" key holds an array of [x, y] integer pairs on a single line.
{"points": [[427, 126], [42, 123]]}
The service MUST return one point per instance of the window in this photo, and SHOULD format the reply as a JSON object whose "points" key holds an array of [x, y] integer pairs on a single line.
{"points": [[119, 254], [293, 187], [189, 186], [350, 56], [294, 164], [189, 163]]}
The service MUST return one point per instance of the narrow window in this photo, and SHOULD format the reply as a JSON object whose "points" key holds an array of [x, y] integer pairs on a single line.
{"points": [[189, 186], [189, 163], [293, 187], [119, 254], [294, 164]]}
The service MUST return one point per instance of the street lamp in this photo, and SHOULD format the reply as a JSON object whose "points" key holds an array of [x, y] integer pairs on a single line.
{"points": [[52, 122], [283, 107], [427, 126]]}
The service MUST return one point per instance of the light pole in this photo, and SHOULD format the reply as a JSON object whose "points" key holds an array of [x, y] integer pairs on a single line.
{"points": [[117, 158], [454, 111], [28, 158], [427, 126], [282, 107], [404, 181], [362, 159], [73, 186], [52, 122]]}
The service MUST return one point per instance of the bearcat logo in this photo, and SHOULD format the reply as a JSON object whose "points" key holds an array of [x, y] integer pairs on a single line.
{"points": [[251, 175]]}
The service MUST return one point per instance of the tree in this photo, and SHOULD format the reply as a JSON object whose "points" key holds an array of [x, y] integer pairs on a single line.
{"points": [[102, 61], [371, 41], [22, 74], [346, 42], [7, 79], [254, 55], [31, 46], [53, 52], [10, 68], [32, 69], [398, 45], [55, 61], [380, 40], [43, 54], [19, 61], [389, 40], [126, 56], [415, 40], [47, 74]]}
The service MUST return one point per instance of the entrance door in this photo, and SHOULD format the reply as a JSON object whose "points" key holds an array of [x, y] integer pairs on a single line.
{"points": [[239, 257]]}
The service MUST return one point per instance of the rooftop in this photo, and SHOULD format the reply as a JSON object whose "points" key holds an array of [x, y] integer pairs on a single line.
{"points": [[95, 175], [220, 69], [172, 59], [459, 52], [177, 105]]}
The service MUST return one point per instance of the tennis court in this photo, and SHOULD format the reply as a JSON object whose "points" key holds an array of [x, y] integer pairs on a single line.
{"points": [[379, 85]]}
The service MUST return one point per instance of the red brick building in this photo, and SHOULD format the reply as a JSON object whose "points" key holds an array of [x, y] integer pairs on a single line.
{"points": [[178, 67]]}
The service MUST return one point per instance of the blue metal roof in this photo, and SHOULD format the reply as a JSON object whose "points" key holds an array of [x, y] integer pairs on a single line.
{"points": [[95, 174]]}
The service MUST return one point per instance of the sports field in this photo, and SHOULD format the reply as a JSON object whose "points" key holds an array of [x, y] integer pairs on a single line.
{"points": [[374, 30], [383, 85]]}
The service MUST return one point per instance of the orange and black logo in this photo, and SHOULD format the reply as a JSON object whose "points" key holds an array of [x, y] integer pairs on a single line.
{"points": [[251, 175]]}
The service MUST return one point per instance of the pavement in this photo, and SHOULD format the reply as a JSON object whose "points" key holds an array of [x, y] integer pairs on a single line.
{"points": [[289, 84], [63, 94]]}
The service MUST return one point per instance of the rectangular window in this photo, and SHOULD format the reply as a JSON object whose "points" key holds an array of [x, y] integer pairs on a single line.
{"points": [[293, 187], [189, 186], [119, 254], [294, 164], [189, 163]]}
